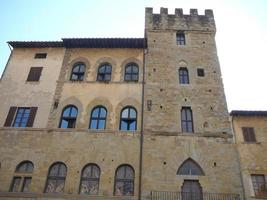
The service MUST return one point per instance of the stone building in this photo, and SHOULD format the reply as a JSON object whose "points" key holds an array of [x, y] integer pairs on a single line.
{"points": [[250, 128], [120, 118]]}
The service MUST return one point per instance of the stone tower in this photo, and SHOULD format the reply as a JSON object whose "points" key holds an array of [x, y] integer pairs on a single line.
{"points": [[185, 115], [203, 93]]}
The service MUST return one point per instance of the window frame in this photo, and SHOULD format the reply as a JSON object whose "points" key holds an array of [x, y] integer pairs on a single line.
{"points": [[105, 73], [56, 178], [128, 118], [22, 117], [131, 73], [192, 165], [68, 118], [249, 135], [80, 74], [98, 118], [180, 38], [200, 72], [183, 76], [124, 180], [89, 179], [22, 176], [255, 182], [187, 121], [40, 56], [34, 74]]}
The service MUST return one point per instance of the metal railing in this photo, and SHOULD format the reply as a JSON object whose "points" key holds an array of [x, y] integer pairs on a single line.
{"points": [[168, 195]]}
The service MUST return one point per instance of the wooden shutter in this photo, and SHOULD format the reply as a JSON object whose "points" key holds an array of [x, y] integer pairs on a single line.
{"points": [[245, 134], [32, 116], [251, 134], [10, 116], [34, 74]]}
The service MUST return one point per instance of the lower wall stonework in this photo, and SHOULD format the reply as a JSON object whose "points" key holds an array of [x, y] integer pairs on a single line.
{"points": [[162, 156]]}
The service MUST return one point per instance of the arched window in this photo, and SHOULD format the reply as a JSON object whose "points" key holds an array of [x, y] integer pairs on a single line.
{"points": [[56, 178], [90, 179], [104, 72], [77, 73], [128, 119], [98, 118], [190, 167], [124, 181], [131, 72], [183, 76], [68, 117], [22, 179], [187, 120]]}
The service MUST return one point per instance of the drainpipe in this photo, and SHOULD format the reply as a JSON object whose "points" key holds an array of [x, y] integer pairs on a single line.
{"points": [[238, 157], [142, 127]]}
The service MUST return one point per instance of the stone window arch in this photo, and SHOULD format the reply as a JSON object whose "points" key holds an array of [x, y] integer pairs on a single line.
{"points": [[22, 178], [131, 72], [90, 179], [68, 117], [104, 72], [190, 167], [56, 178], [98, 118], [128, 119], [124, 181], [78, 71]]}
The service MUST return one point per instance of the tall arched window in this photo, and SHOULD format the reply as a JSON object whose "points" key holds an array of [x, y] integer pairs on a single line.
{"points": [[187, 120], [183, 76], [56, 178], [98, 118], [90, 179], [190, 167], [128, 119], [68, 117], [104, 72], [22, 178], [77, 73], [131, 72], [124, 181]]}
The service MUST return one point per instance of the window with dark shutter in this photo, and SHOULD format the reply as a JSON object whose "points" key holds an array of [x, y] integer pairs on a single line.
{"points": [[40, 55], [34, 74], [248, 134], [20, 116]]}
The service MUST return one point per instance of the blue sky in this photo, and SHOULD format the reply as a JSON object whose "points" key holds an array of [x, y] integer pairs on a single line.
{"points": [[241, 33]]}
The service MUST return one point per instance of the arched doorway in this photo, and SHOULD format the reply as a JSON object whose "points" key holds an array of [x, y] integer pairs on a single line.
{"points": [[191, 190]]}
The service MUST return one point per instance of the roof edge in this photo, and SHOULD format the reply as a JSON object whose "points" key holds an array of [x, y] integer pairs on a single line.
{"points": [[249, 113]]}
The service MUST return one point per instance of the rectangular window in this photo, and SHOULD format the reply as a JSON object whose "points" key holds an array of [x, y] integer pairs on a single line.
{"points": [[200, 72], [40, 55], [248, 134], [183, 76], [180, 39], [20, 116], [187, 120], [259, 185], [34, 74]]}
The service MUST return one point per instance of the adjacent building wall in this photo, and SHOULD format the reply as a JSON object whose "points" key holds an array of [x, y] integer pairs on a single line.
{"points": [[16, 91], [253, 159]]}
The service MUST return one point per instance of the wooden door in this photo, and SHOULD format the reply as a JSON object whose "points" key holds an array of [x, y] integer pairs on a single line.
{"points": [[191, 190]]}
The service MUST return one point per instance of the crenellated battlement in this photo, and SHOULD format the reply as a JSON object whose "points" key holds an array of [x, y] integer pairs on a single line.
{"points": [[180, 21]]}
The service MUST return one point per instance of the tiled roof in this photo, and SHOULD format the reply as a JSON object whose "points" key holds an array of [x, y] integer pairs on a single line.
{"points": [[35, 44], [248, 113], [84, 43]]}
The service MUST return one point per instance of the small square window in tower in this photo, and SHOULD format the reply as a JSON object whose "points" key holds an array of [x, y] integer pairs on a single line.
{"points": [[200, 72], [180, 38]]}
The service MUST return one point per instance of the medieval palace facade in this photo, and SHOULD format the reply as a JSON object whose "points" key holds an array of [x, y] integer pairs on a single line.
{"points": [[127, 118]]}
